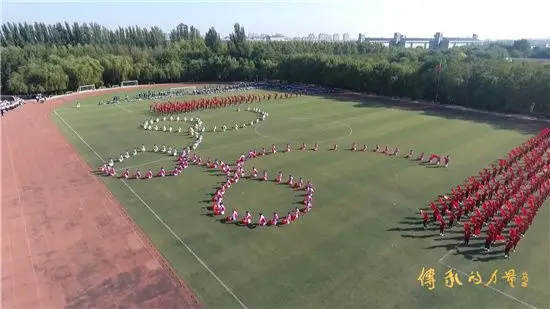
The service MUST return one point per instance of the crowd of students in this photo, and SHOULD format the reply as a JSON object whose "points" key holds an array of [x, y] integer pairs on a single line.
{"points": [[235, 173], [199, 90], [296, 88], [8, 105], [219, 89], [501, 200], [215, 102]]}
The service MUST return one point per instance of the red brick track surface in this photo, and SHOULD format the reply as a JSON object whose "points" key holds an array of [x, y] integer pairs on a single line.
{"points": [[66, 242]]}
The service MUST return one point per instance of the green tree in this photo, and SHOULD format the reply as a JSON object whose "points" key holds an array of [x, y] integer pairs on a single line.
{"points": [[54, 58], [213, 41], [237, 42], [523, 46]]}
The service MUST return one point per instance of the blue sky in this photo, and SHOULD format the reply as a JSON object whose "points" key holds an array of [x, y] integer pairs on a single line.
{"points": [[419, 18]]}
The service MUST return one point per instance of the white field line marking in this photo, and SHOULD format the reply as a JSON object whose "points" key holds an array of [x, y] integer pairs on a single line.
{"points": [[491, 287], [124, 108], [333, 121], [320, 142], [166, 226], [447, 254]]}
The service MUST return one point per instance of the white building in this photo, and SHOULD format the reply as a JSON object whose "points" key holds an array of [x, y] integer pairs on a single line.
{"points": [[437, 42], [381, 41], [277, 37]]}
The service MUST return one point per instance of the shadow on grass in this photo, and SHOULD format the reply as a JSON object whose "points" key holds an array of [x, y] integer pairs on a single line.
{"points": [[410, 222], [406, 229], [497, 122], [419, 236], [453, 240], [235, 223], [449, 246]]}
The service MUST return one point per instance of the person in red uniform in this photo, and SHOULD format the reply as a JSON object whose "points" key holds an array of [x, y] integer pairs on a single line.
{"points": [[441, 225], [467, 233], [515, 238], [489, 240], [451, 216], [435, 211], [459, 214], [509, 245], [275, 219], [262, 221], [425, 218]]}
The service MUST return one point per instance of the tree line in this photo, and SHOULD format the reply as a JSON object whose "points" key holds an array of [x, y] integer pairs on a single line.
{"points": [[61, 57]]}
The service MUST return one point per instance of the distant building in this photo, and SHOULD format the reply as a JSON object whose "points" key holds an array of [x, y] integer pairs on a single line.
{"points": [[345, 37], [397, 40], [276, 37], [437, 42], [256, 37], [336, 37], [451, 42], [380, 41]]}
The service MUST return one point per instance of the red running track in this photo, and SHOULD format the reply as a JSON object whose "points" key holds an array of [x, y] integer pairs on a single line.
{"points": [[66, 242]]}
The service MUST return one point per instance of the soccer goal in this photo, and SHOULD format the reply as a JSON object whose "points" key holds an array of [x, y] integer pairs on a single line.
{"points": [[182, 90], [127, 83], [86, 88]]}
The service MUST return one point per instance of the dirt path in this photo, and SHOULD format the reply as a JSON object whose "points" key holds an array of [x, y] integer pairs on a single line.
{"points": [[66, 242]]}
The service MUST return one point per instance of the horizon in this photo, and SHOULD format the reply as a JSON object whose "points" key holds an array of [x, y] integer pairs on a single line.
{"points": [[421, 18]]}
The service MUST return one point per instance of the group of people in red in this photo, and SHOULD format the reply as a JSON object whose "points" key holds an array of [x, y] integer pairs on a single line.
{"points": [[215, 102], [237, 172], [504, 196], [434, 158]]}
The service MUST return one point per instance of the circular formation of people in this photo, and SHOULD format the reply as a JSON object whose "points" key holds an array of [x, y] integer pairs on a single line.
{"points": [[169, 115]]}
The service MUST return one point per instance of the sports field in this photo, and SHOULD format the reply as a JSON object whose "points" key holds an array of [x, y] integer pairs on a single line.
{"points": [[362, 246]]}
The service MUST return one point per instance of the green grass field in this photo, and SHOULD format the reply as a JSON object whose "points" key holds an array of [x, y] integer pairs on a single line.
{"points": [[361, 247]]}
